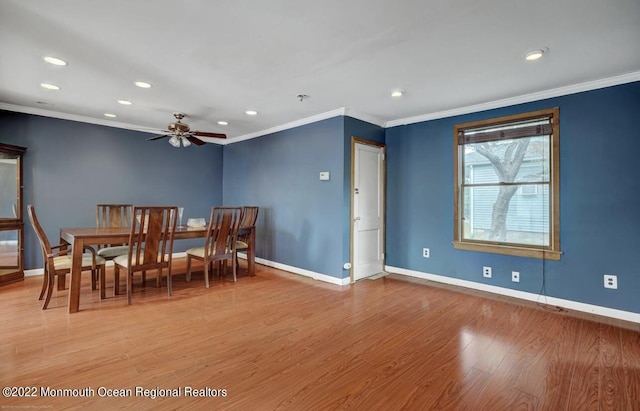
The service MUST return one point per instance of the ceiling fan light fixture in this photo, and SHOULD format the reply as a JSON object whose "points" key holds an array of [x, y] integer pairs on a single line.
{"points": [[142, 84], [185, 142], [174, 141], [125, 102], [55, 61], [534, 55]]}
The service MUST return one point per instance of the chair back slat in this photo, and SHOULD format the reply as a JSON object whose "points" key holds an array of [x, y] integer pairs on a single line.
{"points": [[151, 237], [114, 216], [222, 231], [249, 219], [249, 216]]}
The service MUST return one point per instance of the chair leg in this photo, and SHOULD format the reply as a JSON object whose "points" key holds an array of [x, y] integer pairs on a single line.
{"points": [[206, 273], [45, 283], [159, 278], [234, 266], [94, 279], [169, 281], [103, 291], [116, 280], [50, 281], [129, 286], [188, 274]]}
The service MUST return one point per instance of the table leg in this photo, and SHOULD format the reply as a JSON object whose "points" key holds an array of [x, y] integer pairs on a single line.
{"points": [[76, 276]]}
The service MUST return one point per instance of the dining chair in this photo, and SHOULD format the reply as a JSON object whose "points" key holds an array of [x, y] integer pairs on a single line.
{"points": [[219, 243], [150, 245], [114, 216], [58, 263], [249, 218]]}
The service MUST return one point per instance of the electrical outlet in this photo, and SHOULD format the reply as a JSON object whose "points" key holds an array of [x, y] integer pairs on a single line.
{"points": [[611, 281], [486, 272], [426, 253], [515, 276]]}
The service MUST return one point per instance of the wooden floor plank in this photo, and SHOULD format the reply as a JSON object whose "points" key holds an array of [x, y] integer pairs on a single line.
{"points": [[585, 390], [281, 341], [612, 386]]}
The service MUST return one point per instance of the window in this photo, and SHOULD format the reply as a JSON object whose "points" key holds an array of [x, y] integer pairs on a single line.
{"points": [[506, 197]]}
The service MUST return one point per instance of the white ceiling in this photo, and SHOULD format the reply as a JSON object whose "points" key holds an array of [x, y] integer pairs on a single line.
{"points": [[215, 59]]}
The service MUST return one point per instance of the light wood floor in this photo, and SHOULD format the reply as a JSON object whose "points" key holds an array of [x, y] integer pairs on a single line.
{"points": [[280, 341]]}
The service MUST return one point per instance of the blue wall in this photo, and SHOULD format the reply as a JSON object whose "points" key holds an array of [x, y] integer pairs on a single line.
{"points": [[599, 201], [300, 222], [304, 222], [69, 167]]}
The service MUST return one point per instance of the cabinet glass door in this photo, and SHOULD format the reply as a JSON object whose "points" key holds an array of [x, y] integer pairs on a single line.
{"points": [[9, 249], [9, 189], [11, 225]]}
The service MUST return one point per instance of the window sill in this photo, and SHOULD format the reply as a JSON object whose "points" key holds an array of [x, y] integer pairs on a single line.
{"points": [[509, 250]]}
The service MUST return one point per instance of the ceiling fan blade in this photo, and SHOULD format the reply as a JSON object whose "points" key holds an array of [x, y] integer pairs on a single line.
{"points": [[195, 140], [158, 137], [205, 134]]}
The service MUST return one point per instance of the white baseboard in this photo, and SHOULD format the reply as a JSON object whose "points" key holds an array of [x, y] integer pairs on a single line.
{"points": [[34, 272], [284, 267], [559, 302], [301, 271]]}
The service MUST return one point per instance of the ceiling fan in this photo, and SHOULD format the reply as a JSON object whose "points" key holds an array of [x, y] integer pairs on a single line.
{"points": [[179, 132]]}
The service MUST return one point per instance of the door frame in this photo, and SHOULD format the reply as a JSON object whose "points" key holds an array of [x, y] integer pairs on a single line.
{"points": [[354, 141]]}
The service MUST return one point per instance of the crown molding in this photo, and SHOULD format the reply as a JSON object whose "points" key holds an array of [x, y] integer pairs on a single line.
{"points": [[364, 117], [343, 111], [526, 98], [72, 117], [297, 123]]}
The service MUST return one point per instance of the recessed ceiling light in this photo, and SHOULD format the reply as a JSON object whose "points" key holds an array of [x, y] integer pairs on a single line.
{"points": [[397, 93], [125, 102], [534, 55], [251, 112], [223, 123], [110, 115], [49, 86], [142, 84], [55, 61]]}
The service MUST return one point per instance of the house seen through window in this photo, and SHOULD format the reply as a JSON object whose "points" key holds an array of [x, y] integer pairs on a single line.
{"points": [[507, 196]]}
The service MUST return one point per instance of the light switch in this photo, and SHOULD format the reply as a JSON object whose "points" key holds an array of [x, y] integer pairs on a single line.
{"points": [[324, 175]]}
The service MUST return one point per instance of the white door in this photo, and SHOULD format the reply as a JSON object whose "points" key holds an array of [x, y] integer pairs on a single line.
{"points": [[368, 211]]}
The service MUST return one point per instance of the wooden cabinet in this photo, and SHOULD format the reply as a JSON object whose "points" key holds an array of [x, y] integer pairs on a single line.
{"points": [[11, 223]]}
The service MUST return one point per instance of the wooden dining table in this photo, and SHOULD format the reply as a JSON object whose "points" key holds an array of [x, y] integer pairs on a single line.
{"points": [[78, 237]]}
